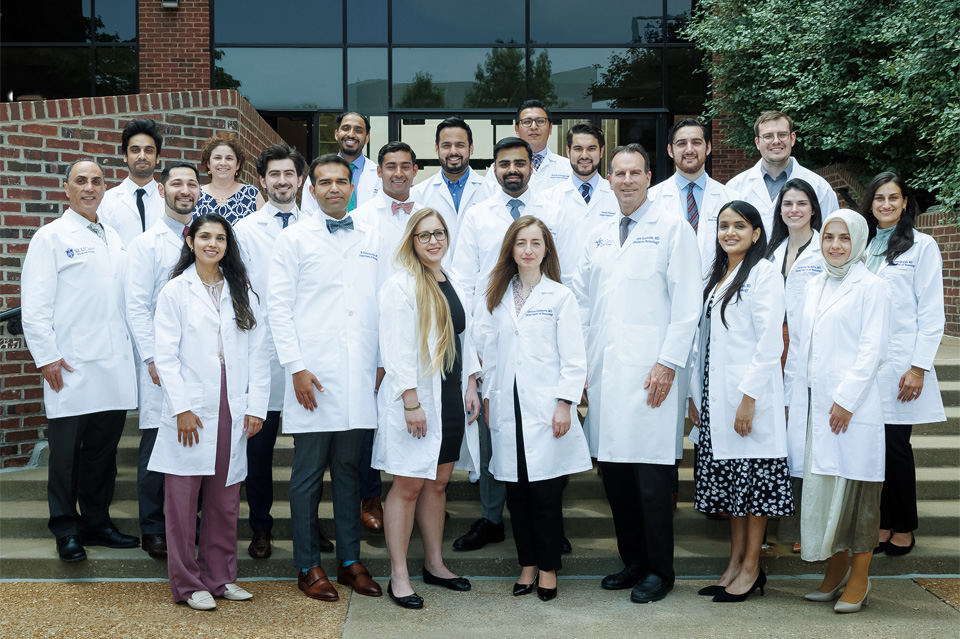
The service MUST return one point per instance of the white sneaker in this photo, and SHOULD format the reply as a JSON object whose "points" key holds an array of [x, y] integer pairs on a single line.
{"points": [[234, 592], [202, 600]]}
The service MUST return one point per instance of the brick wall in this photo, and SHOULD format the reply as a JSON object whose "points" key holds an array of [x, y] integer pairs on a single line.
{"points": [[727, 160], [37, 140], [174, 46], [948, 239]]}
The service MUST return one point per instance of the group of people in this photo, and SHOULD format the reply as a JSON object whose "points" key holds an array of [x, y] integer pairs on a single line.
{"points": [[459, 323]]}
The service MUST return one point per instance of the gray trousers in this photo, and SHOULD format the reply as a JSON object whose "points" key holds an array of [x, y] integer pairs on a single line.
{"points": [[493, 493], [312, 453]]}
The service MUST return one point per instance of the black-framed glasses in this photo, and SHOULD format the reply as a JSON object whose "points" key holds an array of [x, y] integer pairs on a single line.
{"points": [[529, 122], [440, 235]]}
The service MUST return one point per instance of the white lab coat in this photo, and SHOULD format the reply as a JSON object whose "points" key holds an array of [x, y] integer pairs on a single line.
{"points": [[715, 195], [915, 284], [186, 357], [542, 350], [849, 343], [150, 259], [72, 308], [554, 169], [434, 193], [807, 266], [639, 303], [322, 303], [119, 208], [579, 218], [745, 360], [752, 189], [368, 185], [378, 213], [395, 450], [256, 235]]}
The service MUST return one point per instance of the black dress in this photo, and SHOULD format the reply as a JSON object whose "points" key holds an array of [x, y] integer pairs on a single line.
{"points": [[451, 389]]}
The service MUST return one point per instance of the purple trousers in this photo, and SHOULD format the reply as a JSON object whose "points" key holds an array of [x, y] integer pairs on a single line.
{"points": [[214, 564]]}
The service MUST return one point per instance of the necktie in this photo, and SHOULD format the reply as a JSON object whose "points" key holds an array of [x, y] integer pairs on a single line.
{"points": [[515, 208], [693, 216], [186, 231], [143, 214], [353, 196], [585, 192], [345, 223], [286, 218], [406, 206], [624, 228], [537, 161], [97, 230]]}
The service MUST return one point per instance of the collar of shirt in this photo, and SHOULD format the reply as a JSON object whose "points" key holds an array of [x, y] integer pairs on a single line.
{"points": [[788, 171], [643, 208], [388, 201], [525, 197], [175, 226], [542, 154], [459, 183], [700, 183], [131, 187], [272, 211], [578, 183], [321, 219], [360, 162]]}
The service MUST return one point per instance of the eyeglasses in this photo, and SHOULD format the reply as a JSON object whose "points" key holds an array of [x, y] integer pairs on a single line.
{"points": [[783, 136], [529, 122], [440, 235]]}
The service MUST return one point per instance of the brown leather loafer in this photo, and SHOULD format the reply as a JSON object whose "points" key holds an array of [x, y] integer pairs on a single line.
{"points": [[357, 577], [155, 545], [371, 514], [314, 584], [259, 547]]}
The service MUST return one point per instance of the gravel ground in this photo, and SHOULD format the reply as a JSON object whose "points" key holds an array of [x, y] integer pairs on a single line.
{"points": [[947, 589]]}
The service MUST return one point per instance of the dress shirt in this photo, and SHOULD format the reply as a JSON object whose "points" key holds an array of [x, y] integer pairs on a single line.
{"points": [[774, 184], [272, 211], [174, 225], [592, 183], [456, 188], [699, 185]]}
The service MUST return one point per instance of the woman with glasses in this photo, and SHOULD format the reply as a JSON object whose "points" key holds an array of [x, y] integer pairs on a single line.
{"points": [[427, 402]]}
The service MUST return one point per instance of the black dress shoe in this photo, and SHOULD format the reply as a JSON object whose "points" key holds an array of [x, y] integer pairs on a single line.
{"points": [[458, 584], [109, 537], [651, 588], [520, 589], [411, 602], [546, 594], [70, 549], [565, 547], [482, 532], [325, 544], [155, 545], [626, 578]]}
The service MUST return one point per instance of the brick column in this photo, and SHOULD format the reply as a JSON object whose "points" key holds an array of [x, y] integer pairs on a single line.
{"points": [[174, 46]]}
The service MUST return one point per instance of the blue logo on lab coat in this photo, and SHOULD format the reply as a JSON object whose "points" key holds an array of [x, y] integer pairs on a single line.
{"points": [[69, 252]]}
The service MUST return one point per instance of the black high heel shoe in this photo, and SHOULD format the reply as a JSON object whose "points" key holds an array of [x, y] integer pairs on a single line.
{"points": [[520, 589], [546, 594], [726, 597], [410, 602], [711, 591]]}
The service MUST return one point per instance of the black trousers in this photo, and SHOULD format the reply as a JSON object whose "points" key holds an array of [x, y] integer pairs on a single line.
{"points": [[83, 468], [149, 487], [898, 501], [259, 482], [536, 510], [639, 496]]}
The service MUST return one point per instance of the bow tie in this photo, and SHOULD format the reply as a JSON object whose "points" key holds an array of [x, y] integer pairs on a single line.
{"points": [[345, 223], [406, 206]]}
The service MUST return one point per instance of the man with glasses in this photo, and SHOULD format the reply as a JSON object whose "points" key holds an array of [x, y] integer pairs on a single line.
{"points": [[760, 185], [352, 135], [534, 127]]}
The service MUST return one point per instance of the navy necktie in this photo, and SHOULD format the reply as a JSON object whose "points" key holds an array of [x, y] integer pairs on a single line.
{"points": [[345, 223], [286, 218], [585, 192], [143, 214]]}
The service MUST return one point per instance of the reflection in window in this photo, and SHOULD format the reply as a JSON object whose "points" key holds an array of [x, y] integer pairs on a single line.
{"points": [[679, 14], [116, 70], [605, 78], [686, 81], [616, 22], [367, 81], [286, 21], [116, 20], [443, 22], [56, 21], [297, 78], [367, 22], [44, 73], [462, 78]]}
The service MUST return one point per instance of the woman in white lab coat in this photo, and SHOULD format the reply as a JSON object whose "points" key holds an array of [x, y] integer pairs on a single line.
{"points": [[741, 464], [794, 248], [426, 403], [216, 382], [911, 265], [833, 394], [534, 369]]}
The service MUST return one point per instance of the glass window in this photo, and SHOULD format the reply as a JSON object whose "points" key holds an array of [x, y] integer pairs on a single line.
{"points": [[116, 20], [116, 70], [459, 78], [44, 73], [286, 22], [643, 131], [574, 22], [283, 79], [679, 14], [686, 81], [367, 81], [54, 21], [367, 22], [597, 78], [442, 22]]}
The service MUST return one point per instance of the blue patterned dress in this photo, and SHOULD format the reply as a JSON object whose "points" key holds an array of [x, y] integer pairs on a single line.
{"points": [[240, 205]]}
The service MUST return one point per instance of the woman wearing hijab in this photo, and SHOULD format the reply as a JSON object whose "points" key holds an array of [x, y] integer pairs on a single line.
{"points": [[833, 393]]}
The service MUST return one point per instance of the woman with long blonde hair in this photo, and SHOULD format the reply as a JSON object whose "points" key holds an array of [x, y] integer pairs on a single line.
{"points": [[427, 402]]}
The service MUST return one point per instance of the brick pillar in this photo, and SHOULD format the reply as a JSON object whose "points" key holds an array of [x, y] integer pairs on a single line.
{"points": [[174, 46]]}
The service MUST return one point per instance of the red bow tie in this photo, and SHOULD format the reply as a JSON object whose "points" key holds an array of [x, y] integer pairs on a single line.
{"points": [[406, 206]]}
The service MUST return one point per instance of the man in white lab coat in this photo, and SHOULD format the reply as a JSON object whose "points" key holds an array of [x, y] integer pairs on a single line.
{"points": [[760, 184], [150, 259], [352, 135], [135, 204], [322, 304], [690, 192], [638, 286], [534, 127], [456, 187], [74, 326], [281, 170]]}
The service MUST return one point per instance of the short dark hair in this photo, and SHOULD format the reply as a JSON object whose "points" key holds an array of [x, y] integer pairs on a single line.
{"points": [[329, 158], [138, 126], [532, 104], [281, 151], [672, 133], [585, 128], [165, 174], [512, 143], [366, 120], [456, 123], [633, 147], [395, 147], [769, 116], [66, 175]]}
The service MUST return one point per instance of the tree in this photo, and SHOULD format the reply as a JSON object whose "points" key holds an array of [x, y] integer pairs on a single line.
{"points": [[500, 82], [626, 81], [874, 84], [222, 79], [422, 93]]}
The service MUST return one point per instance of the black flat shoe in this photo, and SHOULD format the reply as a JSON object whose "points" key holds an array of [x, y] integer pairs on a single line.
{"points": [[70, 549], [458, 584], [897, 551], [520, 589], [726, 597], [566, 547], [410, 602], [711, 591], [546, 594]]}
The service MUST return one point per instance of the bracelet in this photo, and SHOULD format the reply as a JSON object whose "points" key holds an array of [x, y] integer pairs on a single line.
{"points": [[411, 409], [914, 373]]}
